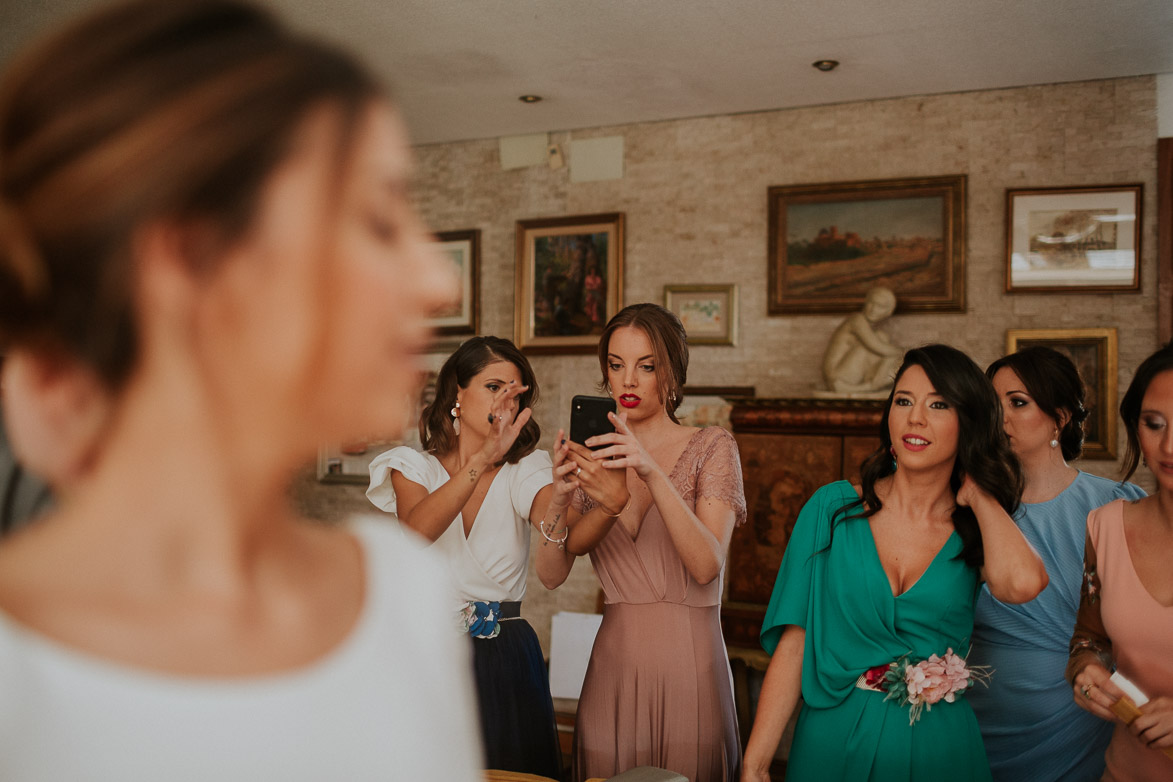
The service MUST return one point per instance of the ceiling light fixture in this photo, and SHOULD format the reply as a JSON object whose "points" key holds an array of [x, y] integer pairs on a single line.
{"points": [[530, 98], [826, 65]]}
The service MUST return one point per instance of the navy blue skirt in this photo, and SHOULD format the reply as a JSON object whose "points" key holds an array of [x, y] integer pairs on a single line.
{"points": [[513, 692]]}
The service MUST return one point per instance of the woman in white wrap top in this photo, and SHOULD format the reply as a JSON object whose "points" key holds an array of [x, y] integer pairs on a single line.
{"points": [[490, 564], [475, 493]]}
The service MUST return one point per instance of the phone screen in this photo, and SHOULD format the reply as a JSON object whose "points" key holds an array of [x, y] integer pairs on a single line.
{"points": [[588, 417]]}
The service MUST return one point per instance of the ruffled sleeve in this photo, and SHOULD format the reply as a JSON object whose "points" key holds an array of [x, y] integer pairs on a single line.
{"points": [[415, 466], [1127, 491], [532, 474], [719, 474], [790, 603]]}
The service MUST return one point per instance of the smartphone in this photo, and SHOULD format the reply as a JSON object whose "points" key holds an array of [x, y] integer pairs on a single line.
{"points": [[588, 417]]}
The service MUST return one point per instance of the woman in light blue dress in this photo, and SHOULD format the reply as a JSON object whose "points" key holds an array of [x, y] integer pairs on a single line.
{"points": [[1032, 729]]}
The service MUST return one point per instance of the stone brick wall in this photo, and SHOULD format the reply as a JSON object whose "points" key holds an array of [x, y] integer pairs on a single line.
{"points": [[694, 194]]}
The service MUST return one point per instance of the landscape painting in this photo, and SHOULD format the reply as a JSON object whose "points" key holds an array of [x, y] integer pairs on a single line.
{"points": [[832, 243]]}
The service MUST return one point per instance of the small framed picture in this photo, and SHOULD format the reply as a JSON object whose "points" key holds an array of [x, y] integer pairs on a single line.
{"points": [[1093, 351], [351, 462], [1073, 239], [463, 249], [708, 312], [569, 281]]}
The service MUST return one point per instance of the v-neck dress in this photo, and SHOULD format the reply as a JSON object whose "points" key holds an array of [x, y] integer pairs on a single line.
{"points": [[489, 564], [1032, 727], [833, 585], [1141, 630], [658, 690]]}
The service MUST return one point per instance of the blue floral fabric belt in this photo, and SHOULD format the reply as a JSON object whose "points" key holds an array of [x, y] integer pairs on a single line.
{"points": [[482, 619]]}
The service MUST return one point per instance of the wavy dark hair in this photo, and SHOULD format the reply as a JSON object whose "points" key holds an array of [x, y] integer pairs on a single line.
{"points": [[436, 431], [983, 450], [1161, 361], [669, 349], [1054, 384]]}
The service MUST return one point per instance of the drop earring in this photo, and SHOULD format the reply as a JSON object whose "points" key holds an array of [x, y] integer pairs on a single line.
{"points": [[892, 450], [456, 419], [1054, 443]]}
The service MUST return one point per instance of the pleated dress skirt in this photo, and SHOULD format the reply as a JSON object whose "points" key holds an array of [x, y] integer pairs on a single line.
{"points": [[513, 694], [658, 692]]}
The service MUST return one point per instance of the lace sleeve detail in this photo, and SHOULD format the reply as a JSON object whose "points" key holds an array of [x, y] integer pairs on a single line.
{"points": [[1089, 641], [715, 471]]}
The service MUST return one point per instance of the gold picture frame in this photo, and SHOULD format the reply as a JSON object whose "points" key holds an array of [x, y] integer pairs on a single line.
{"points": [[463, 250], [569, 281], [708, 312], [1093, 351], [830, 243]]}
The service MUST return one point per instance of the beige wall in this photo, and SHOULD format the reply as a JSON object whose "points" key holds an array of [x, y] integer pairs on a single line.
{"points": [[694, 194]]}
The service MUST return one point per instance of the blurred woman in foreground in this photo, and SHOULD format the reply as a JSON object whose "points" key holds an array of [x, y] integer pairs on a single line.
{"points": [[206, 215]]}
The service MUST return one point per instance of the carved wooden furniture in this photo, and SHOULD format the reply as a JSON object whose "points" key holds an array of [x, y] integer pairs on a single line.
{"points": [[789, 448]]}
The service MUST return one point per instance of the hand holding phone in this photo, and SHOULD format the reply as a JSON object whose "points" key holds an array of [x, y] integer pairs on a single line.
{"points": [[588, 417]]}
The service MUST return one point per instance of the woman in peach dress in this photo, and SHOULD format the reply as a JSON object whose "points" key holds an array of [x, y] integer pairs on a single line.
{"points": [[1126, 610], [658, 691]]}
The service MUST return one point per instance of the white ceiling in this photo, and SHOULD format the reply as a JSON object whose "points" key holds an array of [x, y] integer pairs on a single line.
{"points": [[457, 67]]}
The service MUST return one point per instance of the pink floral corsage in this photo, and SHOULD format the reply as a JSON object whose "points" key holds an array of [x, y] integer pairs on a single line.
{"points": [[921, 684]]}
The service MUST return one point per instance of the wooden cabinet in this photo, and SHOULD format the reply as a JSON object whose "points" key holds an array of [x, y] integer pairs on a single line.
{"points": [[789, 448]]}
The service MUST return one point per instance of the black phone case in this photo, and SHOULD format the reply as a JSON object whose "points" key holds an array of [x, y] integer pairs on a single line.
{"points": [[588, 417]]}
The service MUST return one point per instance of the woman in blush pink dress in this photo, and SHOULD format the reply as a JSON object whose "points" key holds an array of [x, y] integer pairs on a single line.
{"points": [[658, 690], [1126, 611]]}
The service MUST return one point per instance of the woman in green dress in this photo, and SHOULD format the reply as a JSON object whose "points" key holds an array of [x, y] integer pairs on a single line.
{"points": [[872, 612]]}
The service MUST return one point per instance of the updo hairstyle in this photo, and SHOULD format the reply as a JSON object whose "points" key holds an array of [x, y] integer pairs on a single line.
{"points": [[1054, 384], [149, 111]]}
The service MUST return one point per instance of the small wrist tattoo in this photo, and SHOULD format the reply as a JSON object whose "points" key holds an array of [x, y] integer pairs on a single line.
{"points": [[472, 475]]}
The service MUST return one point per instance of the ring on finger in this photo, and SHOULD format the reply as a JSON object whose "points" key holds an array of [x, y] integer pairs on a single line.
{"points": [[578, 471], [1086, 689]]}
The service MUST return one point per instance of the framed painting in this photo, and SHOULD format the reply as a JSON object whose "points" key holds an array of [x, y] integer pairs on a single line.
{"points": [[569, 281], [829, 244], [351, 462], [463, 250], [1073, 239], [708, 312], [1093, 351]]}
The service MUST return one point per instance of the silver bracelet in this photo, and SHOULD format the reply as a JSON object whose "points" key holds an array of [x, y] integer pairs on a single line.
{"points": [[560, 541]]}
